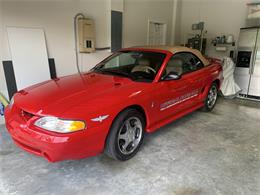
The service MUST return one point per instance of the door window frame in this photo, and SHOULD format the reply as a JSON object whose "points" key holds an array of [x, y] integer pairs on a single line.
{"points": [[183, 52]]}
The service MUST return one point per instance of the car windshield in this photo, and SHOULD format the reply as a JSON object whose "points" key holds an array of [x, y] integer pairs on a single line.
{"points": [[136, 65]]}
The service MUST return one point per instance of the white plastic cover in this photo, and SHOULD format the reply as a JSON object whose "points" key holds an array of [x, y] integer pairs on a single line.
{"points": [[229, 88]]}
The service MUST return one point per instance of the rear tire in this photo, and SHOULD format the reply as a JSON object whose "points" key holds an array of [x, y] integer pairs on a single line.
{"points": [[211, 99], [126, 135]]}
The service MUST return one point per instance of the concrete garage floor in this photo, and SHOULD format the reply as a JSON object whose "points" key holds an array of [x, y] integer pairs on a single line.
{"points": [[202, 153]]}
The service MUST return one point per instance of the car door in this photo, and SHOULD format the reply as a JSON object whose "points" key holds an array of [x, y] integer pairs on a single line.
{"points": [[172, 97], [195, 73]]}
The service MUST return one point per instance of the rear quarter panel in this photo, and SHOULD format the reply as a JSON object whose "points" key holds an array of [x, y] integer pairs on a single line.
{"points": [[213, 73]]}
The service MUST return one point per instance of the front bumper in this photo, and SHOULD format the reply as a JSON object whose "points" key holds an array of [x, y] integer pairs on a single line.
{"points": [[53, 146]]}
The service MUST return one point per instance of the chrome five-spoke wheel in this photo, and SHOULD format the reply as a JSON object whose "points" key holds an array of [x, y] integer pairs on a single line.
{"points": [[212, 96], [130, 135], [211, 99], [126, 135]]}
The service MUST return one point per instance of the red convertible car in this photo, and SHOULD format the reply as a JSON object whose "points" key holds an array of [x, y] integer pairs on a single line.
{"points": [[111, 107]]}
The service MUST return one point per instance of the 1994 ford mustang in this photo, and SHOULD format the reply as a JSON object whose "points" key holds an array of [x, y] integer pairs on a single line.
{"points": [[109, 108]]}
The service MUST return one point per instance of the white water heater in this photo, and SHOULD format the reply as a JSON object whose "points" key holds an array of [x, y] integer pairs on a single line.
{"points": [[86, 35]]}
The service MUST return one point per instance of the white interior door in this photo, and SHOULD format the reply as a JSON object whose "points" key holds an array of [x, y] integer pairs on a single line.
{"points": [[29, 55], [156, 33]]}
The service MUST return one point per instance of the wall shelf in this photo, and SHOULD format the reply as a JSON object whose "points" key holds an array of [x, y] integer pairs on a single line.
{"points": [[224, 44]]}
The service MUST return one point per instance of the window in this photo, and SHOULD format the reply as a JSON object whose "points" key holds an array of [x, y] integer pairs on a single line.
{"points": [[137, 65], [182, 63], [123, 59]]}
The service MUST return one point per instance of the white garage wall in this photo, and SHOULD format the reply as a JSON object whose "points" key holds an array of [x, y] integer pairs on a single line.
{"points": [[136, 16], [56, 17], [117, 5], [220, 17], [1, 33], [2, 81], [3, 88]]}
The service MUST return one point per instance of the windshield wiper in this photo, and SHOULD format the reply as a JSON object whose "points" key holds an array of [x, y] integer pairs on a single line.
{"points": [[115, 73]]}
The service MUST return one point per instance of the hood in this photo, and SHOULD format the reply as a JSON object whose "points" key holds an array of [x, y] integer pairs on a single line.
{"points": [[57, 96]]}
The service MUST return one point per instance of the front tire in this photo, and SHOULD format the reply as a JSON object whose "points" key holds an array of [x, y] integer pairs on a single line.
{"points": [[211, 99], [126, 135]]}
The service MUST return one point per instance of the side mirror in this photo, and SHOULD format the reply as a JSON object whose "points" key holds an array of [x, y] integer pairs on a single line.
{"points": [[171, 76]]}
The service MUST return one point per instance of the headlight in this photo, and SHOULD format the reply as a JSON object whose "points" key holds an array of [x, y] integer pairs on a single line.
{"points": [[59, 125]]}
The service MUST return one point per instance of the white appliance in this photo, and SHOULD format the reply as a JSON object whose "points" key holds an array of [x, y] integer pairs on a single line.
{"points": [[247, 72]]}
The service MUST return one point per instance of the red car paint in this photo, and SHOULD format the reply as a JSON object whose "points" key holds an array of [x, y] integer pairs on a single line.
{"points": [[89, 95]]}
